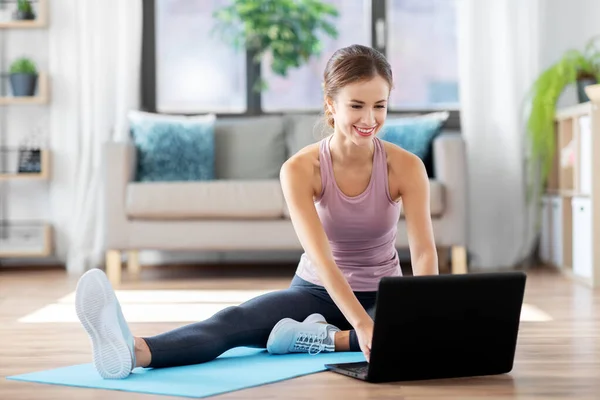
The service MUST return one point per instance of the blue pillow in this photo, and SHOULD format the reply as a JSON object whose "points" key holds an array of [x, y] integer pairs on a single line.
{"points": [[173, 148], [414, 134]]}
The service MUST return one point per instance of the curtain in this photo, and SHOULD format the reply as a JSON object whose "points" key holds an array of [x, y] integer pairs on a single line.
{"points": [[499, 58], [95, 59]]}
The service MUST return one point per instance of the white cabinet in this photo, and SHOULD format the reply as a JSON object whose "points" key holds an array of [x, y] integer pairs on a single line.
{"points": [[546, 230], [585, 155], [582, 237], [556, 231]]}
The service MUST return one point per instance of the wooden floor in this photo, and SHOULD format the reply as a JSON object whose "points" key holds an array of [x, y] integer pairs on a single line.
{"points": [[558, 359]]}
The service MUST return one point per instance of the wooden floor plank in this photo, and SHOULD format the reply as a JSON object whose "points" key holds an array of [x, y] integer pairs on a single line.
{"points": [[558, 359]]}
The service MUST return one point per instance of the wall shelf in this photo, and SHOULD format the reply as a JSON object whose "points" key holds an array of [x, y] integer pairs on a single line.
{"points": [[25, 239], [42, 97], [571, 203], [40, 22]]}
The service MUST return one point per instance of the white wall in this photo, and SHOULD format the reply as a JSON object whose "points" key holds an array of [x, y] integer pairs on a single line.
{"points": [[567, 23]]}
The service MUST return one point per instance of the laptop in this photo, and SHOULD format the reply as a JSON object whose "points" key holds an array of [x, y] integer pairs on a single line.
{"points": [[442, 326]]}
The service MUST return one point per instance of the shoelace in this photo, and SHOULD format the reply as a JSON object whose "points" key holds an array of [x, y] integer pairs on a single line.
{"points": [[308, 341]]}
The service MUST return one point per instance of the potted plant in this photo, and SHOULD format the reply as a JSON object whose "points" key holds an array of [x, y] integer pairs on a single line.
{"points": [[580, 68], [288, 29], [23, 77], [24, 10]]}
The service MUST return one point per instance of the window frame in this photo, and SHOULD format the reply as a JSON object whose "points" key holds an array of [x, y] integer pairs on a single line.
{"points": [[253, 71]]}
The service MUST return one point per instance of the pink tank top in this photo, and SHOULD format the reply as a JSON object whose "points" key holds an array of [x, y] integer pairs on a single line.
{"points": [[361, 229]]}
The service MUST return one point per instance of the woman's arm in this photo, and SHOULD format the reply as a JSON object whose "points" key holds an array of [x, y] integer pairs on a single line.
{"points": [[296, 177], [414, 190]]}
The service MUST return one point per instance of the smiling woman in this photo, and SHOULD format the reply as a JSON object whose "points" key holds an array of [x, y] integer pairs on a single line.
{"points": [[343, 197]]}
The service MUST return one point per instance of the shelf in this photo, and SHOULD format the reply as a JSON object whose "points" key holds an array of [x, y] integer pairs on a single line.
{"points": [[566, 193], [570, 207], [43, 175], [40, 22], [573, 111], [35, 24], [25, 239], [41, 98]]}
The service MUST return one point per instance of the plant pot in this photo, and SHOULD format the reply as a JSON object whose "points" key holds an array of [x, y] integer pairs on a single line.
{"points": [[23, 15], [23, 84], [581, 85]]}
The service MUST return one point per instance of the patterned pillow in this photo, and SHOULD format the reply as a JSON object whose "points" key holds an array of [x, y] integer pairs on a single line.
{"points": [[414, 134], [173, 148]]}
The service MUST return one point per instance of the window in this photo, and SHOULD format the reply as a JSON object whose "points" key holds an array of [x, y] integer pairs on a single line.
{"points": [[194, 71], [421, 47], [186, 70], [301, 89]]}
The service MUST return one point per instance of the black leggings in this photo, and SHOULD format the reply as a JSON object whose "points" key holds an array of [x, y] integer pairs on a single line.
{"points": [[250, 324]]}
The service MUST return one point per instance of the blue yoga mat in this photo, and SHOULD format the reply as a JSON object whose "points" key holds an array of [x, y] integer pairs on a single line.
{"points": [[235, 369]]}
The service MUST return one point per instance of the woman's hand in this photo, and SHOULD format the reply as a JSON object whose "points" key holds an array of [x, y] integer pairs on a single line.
{"points": [[364, 332]]}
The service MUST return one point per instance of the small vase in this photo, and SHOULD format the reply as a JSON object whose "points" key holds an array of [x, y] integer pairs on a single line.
{"points": [[581, 84], [23, 84], [23, 15]]}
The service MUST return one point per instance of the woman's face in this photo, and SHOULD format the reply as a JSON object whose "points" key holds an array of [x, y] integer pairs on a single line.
{"points": [[360, 108]]}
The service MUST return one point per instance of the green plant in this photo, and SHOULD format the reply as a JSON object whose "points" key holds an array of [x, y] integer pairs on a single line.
{"points": [[23, 65], [545, 92], [24, 6], [289, 29]]}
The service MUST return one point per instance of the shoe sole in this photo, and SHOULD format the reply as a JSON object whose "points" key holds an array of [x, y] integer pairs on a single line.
{"points": [[96, 307]]}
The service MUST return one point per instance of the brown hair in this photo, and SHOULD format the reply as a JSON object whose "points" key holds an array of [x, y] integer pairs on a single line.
{"points": [[353, 64]]}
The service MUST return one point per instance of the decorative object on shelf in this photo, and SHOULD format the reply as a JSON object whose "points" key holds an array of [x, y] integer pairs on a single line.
{"points": [[567, 155], [30, 161], [30, 152], [24, 10], [575, 67], [23, 77], [289, 29]]}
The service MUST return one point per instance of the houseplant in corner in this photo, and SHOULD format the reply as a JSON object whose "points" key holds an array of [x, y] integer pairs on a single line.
{"points": [[23, 77], [289, 29], [576, 67]]}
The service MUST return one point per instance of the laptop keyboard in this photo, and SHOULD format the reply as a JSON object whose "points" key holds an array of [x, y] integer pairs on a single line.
{"points": [[359, 369]]}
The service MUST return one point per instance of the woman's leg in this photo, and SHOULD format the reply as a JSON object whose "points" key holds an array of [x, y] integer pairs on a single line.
{"points": [[248, 324], [116, 350]]}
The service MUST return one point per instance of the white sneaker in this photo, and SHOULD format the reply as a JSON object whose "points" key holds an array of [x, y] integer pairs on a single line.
{"points": [[290, 336], [100, 314], [315, 318]]}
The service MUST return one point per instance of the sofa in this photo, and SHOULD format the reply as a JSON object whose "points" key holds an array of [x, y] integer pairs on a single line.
{"points": [[243, 208]]}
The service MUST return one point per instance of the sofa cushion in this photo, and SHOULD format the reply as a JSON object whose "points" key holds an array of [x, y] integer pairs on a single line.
{"points": [[212, 199], [436, 201], [304, 129], [173, 148], [249, 148], [414, 134]]}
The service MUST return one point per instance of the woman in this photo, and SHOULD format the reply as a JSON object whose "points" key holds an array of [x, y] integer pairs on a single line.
{"points": [[343, 194]]}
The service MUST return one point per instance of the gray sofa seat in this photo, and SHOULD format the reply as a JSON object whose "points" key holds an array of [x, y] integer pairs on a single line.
{"points": [[231, 199], [226, 199]]}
